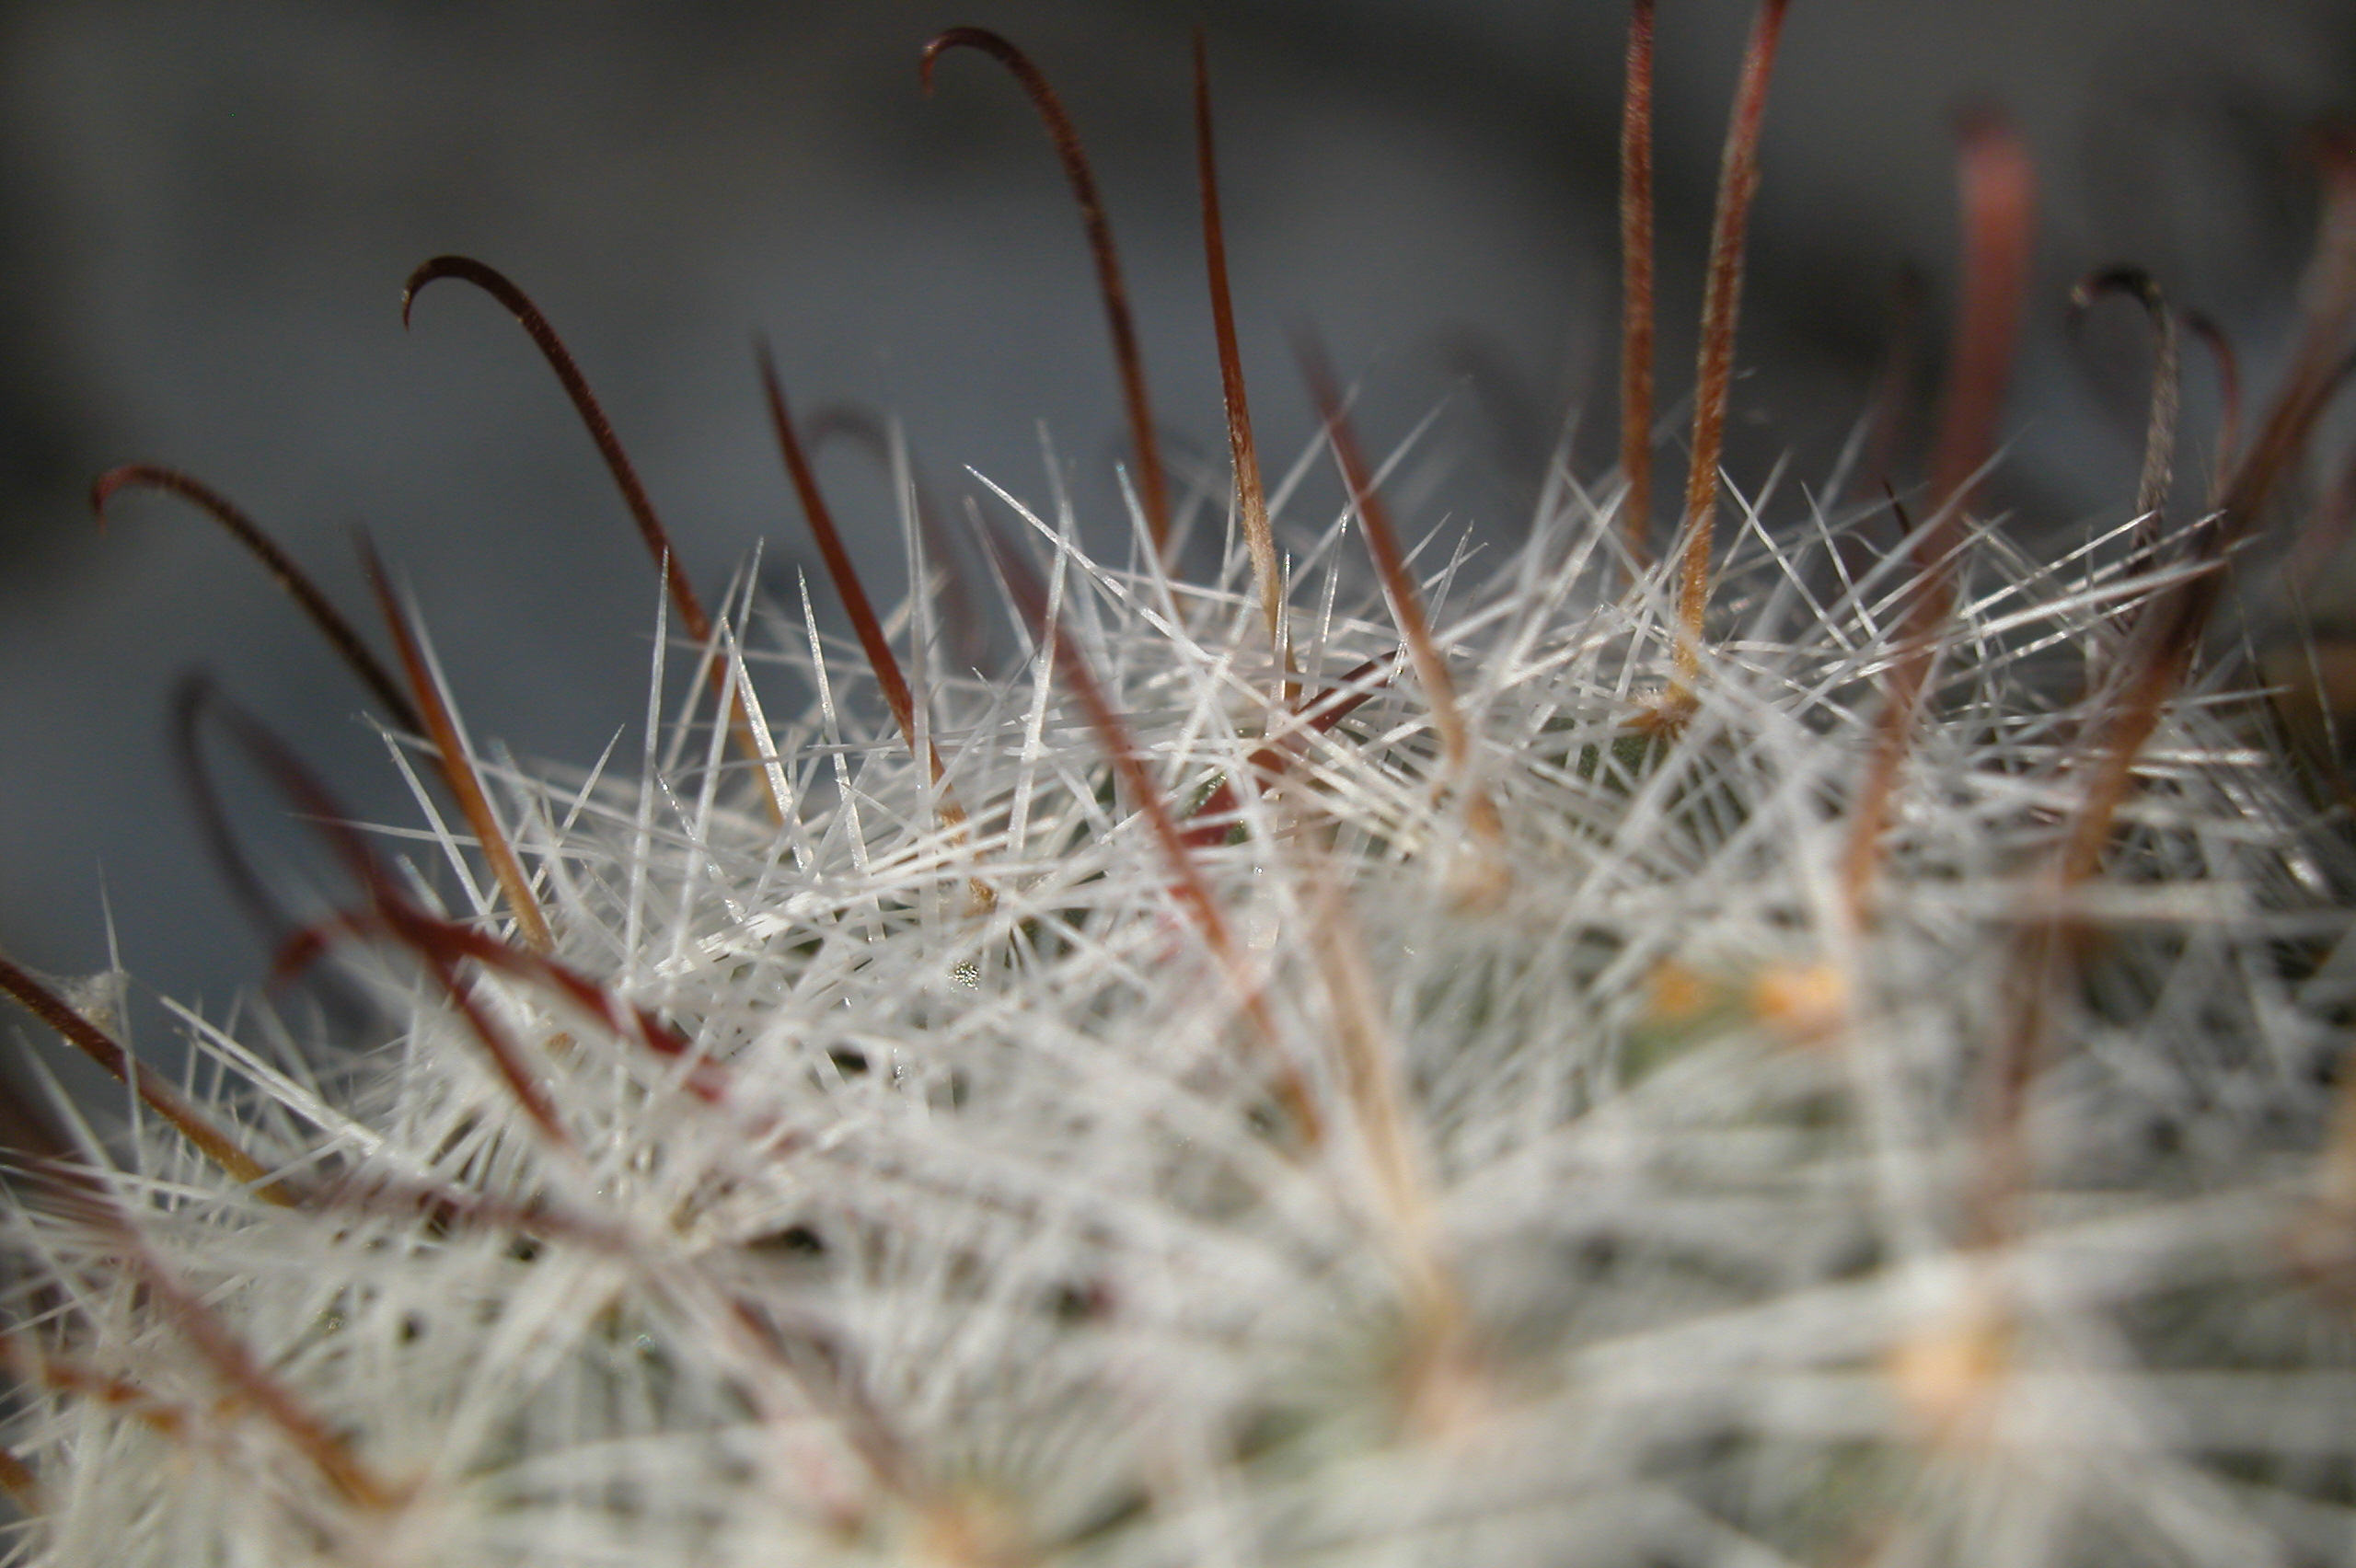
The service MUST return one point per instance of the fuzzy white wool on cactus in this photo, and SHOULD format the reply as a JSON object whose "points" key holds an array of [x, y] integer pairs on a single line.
{"points": [[1530, 1063]]}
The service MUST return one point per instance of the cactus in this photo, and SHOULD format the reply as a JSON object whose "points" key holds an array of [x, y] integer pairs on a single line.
{"points": [[1821, 1043]]}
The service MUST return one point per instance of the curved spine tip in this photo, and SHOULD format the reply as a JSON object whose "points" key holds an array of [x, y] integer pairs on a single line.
{"points": [[1153, 490], [2159, 435], [291, 579]]}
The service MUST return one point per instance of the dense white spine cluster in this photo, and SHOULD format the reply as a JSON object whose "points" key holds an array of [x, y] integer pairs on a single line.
{"points": [[1642, 1218]]}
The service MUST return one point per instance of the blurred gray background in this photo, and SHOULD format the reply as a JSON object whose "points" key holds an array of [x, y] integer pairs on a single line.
{"points": [[206, 212]]}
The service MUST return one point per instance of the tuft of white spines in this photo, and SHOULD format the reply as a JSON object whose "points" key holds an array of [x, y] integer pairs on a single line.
{"points": [[1651, 1206]]}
